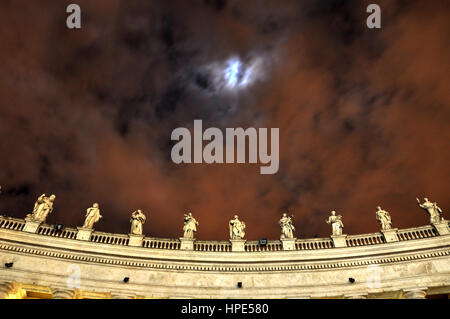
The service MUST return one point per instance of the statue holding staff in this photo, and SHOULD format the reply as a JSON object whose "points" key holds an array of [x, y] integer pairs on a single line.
{"points": [[190, 226], [336, 223], [287, 229], [237, 228], [432, 208], [384, 218], [42, 207], [137, 220]]}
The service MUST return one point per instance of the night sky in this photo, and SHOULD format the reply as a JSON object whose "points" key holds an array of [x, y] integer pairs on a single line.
{"points": [[363, 113]]}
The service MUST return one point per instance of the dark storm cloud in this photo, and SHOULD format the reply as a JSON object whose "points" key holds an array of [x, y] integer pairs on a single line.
{"points": [[87, 114]]}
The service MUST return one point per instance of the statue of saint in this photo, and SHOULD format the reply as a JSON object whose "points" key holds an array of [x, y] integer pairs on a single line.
{"points": [[190, 226], [237, 228], [336, 223], [92, 216], [384, 218], [287, 229], [137, 220], [42, 207], [432, 208]]}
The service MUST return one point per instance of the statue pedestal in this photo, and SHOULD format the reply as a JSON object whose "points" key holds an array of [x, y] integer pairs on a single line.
{"points": [[84, 233], [390, 235], [135, 240], [238, 244], [339, 240], [31, 226], [187, 243], [442, 227], [288, 243]]}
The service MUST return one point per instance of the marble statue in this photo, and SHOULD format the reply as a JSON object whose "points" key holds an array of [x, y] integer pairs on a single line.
{"points": [[237, 228], [190, 226], [384, 218], [336, 223], [42, 207], [287, 229], [92, 216], [137, 220], [432, 208]]}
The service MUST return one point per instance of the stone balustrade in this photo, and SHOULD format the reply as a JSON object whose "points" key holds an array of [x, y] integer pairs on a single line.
{"points": [[107, 238], [427, 231], [405, 263]]}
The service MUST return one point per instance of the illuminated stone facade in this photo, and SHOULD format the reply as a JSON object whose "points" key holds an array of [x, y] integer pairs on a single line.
{"points": [[39, 261]]}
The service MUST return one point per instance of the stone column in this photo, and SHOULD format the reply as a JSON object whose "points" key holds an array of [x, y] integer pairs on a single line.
{"points": [[6, 288], [187, 243], [63, 294], [415, 293]]}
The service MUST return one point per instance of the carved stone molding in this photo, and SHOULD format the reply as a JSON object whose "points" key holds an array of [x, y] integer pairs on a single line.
{"points": [[224, 268]]}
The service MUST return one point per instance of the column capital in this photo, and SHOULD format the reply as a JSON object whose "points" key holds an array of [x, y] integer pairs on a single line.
{"points": [[415, 293], [59, 293], [6, 288], [120, 295], [356, 296]]}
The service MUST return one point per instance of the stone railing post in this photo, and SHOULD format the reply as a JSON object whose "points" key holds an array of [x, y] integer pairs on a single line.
{"points": [[187, 243], [84, 233], [238, 244], [135, 240], [442, 227], [6, 288], [390, 235], [288, 243], [415, 293], [63, 293], [31, 226], [339, 240]]}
